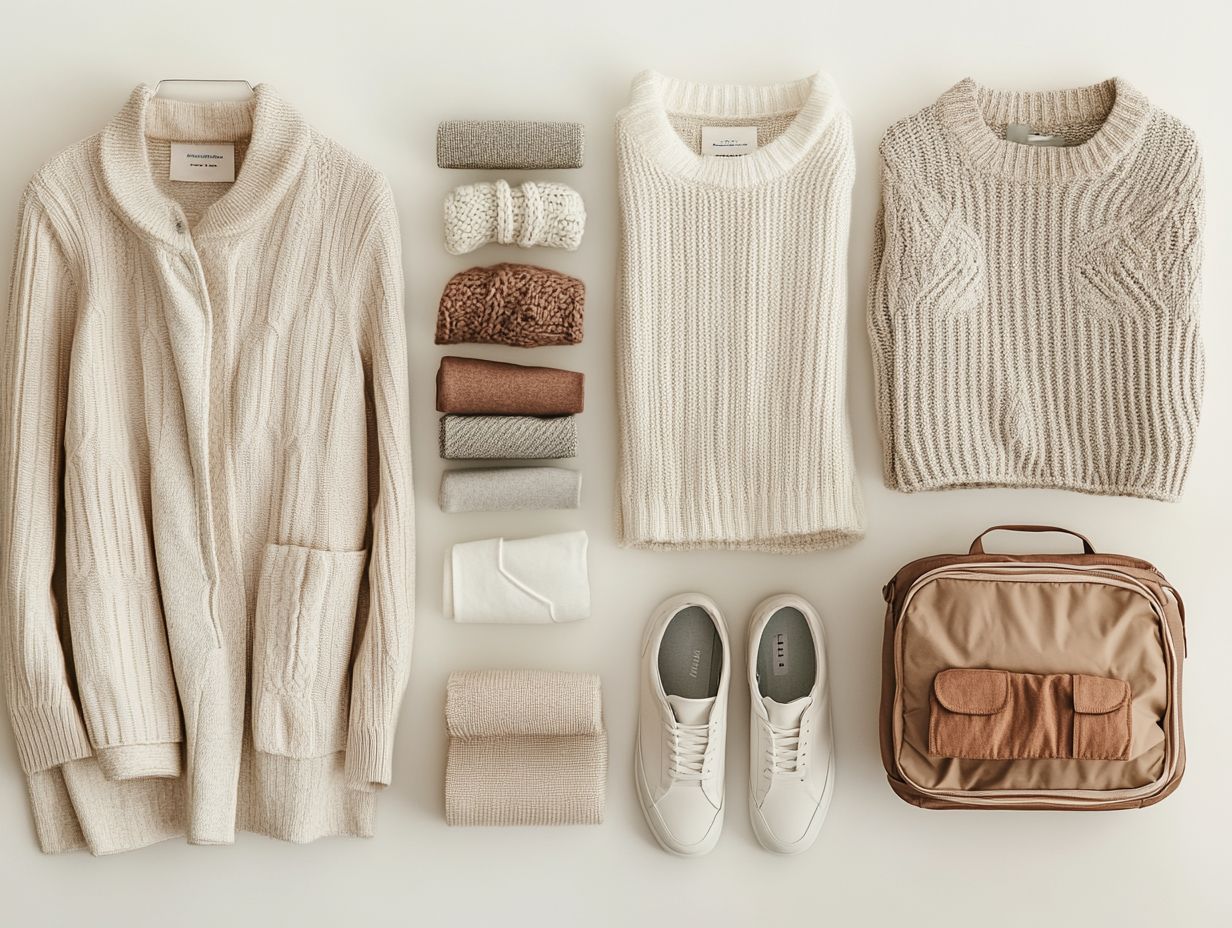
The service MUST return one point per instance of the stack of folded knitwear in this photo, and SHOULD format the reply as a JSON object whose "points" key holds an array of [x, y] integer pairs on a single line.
{"points": [[526, 747], [498, 411]]}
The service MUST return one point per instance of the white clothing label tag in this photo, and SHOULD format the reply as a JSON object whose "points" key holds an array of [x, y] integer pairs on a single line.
{"points": [[727, 141], [203, 161], [1021, 133]]}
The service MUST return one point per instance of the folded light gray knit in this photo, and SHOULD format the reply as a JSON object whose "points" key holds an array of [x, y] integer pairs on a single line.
{"points": [[508, 437], [509, 143], [504, 489], [526, 747]]}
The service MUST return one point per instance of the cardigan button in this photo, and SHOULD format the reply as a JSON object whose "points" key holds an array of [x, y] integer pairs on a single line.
{"points": [[179, 225]]}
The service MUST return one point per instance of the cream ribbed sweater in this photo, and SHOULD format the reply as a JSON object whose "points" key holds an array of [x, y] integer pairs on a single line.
{"points": [[1034, 310], [220, 370], [732, 332]]}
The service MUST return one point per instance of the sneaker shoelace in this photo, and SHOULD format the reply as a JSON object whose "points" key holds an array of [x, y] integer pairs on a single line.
{"points": [[690, 756], [783, 755]]}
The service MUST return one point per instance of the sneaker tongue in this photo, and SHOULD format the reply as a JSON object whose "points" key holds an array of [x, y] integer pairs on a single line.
{"points": [[691, 711], [786, 714]]}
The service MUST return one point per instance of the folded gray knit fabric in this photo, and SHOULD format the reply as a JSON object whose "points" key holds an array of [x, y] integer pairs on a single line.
{"points": [[504, 489], [509, 143], [509, 437], [526, 747]]}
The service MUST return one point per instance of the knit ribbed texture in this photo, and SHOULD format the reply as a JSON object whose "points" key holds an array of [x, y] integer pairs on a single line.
{"points": [[1033, 311], [525, 748], [509, 437], [530, 214], [732, 332], [496, 144], [210, 383], [511, 304], [504, 489]]}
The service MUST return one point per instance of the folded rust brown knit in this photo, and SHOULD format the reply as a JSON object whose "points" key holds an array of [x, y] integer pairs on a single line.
{"points": [[470, 386], [511, 304]]}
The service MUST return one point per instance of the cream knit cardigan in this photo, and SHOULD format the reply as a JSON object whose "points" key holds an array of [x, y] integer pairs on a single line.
{"points": [[1034, 310], [732, 320], [219, 373]]}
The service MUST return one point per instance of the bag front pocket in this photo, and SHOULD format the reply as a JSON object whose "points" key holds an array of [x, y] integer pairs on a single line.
{"points": [[999, 715], [306, 602]]}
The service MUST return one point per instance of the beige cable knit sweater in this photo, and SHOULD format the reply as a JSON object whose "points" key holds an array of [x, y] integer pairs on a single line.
{"points": [[731, 355], [218, 371], [1034, 309]]}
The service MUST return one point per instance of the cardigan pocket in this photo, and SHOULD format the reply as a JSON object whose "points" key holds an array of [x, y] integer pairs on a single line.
{"points": [[306, 603]]}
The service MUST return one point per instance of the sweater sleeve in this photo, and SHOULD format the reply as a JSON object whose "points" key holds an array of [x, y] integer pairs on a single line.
{"points": [[38, 335], [383, 657], [880, 337]]}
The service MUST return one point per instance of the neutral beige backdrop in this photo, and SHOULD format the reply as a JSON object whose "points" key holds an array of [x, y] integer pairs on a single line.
{"points": [[378, 77]]}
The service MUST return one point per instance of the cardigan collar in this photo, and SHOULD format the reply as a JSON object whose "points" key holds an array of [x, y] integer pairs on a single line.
{"points": [[278, 145]]}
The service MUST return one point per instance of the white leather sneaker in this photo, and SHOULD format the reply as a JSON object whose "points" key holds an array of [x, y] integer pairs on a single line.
{"points": [[682, 724], [791, 741]]}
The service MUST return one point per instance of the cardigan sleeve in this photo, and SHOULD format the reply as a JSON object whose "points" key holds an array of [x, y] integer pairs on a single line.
{"points": [[38, 336], [383, 656]]}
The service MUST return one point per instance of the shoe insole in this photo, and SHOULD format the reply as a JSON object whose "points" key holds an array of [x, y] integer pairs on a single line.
{"points": [[786, 658], [691, 655]]}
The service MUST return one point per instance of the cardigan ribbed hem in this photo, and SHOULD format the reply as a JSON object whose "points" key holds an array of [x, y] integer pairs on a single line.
{"points": [[48, 735]]}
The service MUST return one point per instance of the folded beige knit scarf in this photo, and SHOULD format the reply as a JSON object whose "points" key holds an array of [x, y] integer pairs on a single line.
{"points": [[526, 747]]}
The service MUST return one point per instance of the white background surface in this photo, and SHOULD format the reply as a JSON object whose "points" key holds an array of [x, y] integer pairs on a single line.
{"points": [[378, 77]]}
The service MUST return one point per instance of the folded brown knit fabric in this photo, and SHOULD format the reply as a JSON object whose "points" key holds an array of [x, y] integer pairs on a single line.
{"points": [[471, 386], [507, 437], [509, 143], [526, 747], [511, 304]]}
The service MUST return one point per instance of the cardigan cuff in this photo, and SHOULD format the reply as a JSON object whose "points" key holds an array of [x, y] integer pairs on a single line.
{"points": [[369, 759], [49, 735], [137, 761]]}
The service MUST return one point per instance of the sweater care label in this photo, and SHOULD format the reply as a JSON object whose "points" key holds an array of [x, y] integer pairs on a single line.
{"points": [[1023, 134], [726, 141], [203, 161]]}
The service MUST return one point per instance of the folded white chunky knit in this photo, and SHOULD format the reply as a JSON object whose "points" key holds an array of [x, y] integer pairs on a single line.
{"points": [[527, 215]]}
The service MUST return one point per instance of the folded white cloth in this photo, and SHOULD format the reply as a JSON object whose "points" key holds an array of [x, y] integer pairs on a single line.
{"points": [[537, 580]]}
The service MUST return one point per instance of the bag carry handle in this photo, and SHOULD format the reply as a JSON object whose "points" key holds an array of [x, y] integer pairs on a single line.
{"points": [[977, 546]]}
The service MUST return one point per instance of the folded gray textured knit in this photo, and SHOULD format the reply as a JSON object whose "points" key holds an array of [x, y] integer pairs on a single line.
{"points": [[508, 437], [504, 489], [526, 747], [509, 143]]}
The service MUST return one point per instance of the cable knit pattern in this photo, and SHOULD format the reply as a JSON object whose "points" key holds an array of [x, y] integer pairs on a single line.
{"points": [[511, 304], [511, 437], [497, 144], [531, 214], [224, 367], [526, 747], [1033, 309], [732, 321]]}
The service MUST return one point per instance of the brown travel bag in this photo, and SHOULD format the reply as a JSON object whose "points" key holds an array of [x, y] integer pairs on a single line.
{"points": [[1032, 681]]}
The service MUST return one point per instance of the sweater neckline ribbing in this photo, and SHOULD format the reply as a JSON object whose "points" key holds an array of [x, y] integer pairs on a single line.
{"points": [[814, 100], [969, 110], [278, 145]]}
